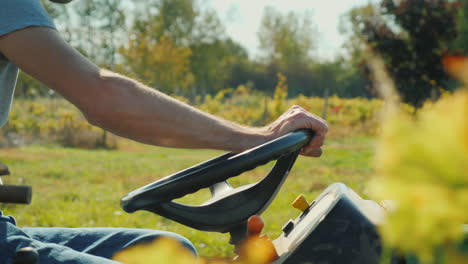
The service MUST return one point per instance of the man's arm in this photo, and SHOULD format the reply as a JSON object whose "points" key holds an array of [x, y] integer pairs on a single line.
{"points": [[130, 109]]}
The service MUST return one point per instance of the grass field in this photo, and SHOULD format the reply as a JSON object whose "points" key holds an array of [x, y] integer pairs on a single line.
{"points": [[82, 188]]}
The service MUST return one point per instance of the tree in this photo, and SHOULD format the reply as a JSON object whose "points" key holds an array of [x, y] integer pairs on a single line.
{"points": [[190, 27], [412, 37], [286, 39], [287, 42], [99, 26], [159, 63], [460, 44], [355, 77], [175, 19]]}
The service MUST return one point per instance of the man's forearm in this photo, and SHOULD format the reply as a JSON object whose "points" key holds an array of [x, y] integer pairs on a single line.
{"points": [[134, 111]]}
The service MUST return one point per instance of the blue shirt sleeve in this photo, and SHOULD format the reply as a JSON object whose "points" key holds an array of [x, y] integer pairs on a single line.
{"points": [[16, 15], [19, 14]]}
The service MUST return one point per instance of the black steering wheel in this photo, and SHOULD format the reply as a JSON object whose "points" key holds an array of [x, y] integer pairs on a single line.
{"points": [[228, 208]]}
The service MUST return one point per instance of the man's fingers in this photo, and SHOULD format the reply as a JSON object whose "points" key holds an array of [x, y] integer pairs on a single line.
{"points": [[317, 141], [312, 152], [320, 126], [298, 118]]}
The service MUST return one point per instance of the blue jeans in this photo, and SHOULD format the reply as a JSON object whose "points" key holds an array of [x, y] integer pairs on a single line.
{"points": [[74, 245]]}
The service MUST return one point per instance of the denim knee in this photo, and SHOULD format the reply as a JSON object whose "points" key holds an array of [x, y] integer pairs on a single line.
{"points": [[148, 235]]}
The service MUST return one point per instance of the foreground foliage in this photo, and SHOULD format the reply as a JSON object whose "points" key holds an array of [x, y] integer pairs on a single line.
{"points": [[423, 165]]}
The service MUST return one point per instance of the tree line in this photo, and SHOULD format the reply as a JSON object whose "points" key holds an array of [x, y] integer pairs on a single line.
{"points": [[181, 47]]}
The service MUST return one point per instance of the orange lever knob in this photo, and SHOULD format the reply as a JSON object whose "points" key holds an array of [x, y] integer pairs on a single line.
{"points": [[255, 225]]}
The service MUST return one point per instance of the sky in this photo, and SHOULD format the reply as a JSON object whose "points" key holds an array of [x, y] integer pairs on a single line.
{"points": [[242, 19]]}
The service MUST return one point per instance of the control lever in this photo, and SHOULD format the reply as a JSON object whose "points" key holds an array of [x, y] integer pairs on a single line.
{"points": [[17, 194], [13, 193], [4, 170]]}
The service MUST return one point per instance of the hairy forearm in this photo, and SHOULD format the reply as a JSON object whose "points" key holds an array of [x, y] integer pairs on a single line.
{"points": [[134, 111], [131, 110], [118, 104]]}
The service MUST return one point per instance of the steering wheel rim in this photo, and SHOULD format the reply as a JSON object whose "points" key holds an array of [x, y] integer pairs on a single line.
{"points": [[213, 171]]}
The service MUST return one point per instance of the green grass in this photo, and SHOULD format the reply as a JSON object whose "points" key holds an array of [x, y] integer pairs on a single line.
{"points": [[82, 188]]}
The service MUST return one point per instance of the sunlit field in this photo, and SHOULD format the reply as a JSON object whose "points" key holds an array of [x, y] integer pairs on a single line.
{"points": [[79, 184]]}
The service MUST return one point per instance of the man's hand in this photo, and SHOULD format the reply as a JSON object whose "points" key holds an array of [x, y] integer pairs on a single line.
{"points": [[296, 118]]}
